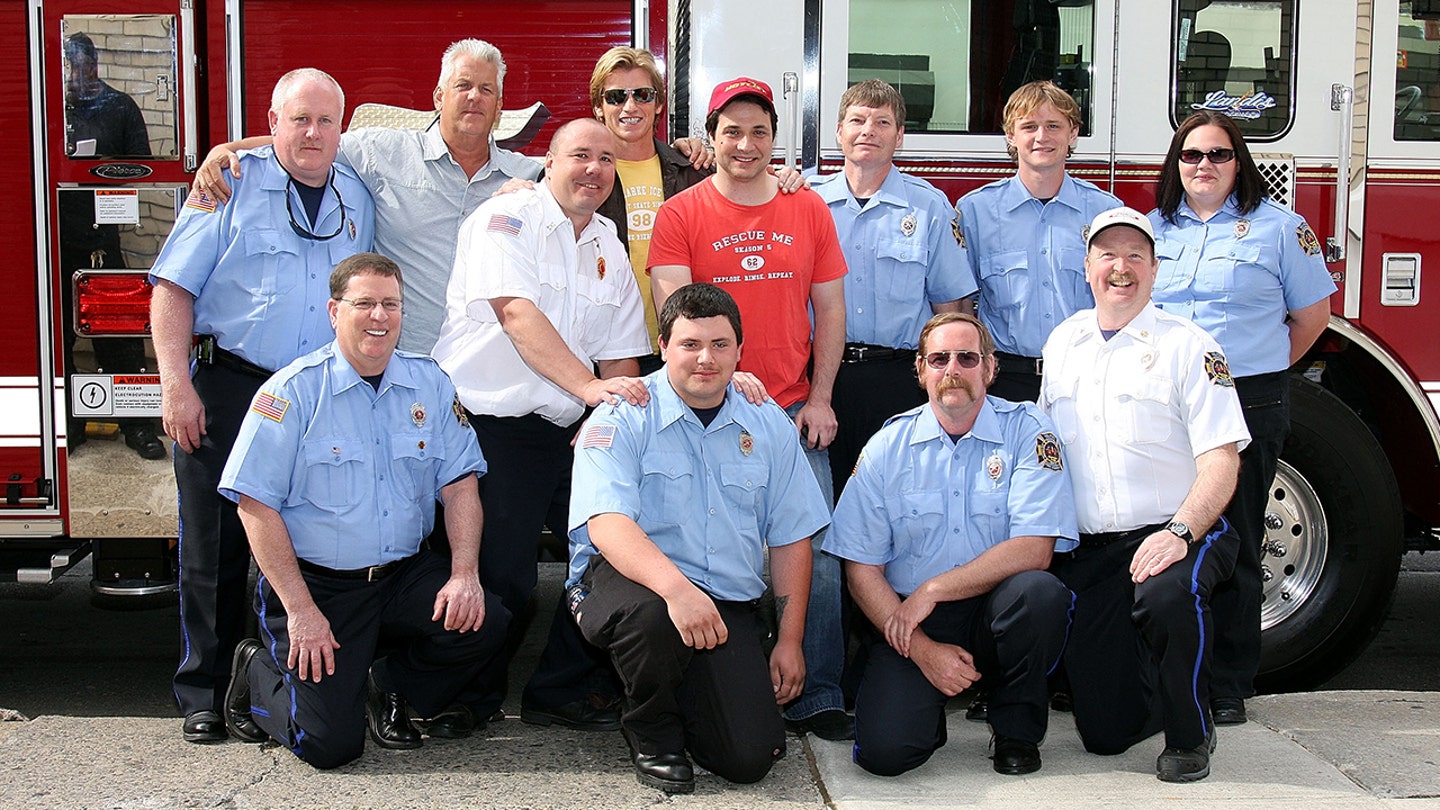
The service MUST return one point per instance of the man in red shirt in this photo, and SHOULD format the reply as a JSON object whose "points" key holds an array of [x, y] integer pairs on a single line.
{"points": [[778, 256]]}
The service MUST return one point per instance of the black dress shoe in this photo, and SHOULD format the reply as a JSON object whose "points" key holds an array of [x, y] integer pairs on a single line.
{"points": [[979, 709], [671, 773], [1014, 758], [238, 718], [1061, 701], [141, 438], [582, 715], [389, 719], [831, 724], [1228, 711], [1185, 764], [204, 726], [455, 723]]}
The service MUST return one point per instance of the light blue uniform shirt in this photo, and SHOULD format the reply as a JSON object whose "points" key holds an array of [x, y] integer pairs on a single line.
{"points": [[1238, 276], [261, 288], [354, 474], [710, 497], [421, 196], [920, 504], [903, 254], [1029, 258]]}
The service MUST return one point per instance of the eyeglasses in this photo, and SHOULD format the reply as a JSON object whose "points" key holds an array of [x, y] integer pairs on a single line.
{"points": [[616, 97], [369, 304], [1217, 156], [303, 231], [941, 360]]}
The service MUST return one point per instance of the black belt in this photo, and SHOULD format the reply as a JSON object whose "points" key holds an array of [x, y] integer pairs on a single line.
{"points": [[374, 573], [866, 353], [1020, 364], [1099, 539], [210, 353]]}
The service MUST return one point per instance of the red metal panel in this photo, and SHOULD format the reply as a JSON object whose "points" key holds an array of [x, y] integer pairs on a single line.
{"points": [[389, 52]]}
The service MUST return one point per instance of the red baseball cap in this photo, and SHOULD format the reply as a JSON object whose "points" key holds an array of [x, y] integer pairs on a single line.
{"points": [[725, 92]]}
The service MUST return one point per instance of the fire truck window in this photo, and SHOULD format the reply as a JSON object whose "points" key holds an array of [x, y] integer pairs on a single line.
{"points": [[957, 61], [1417, 72], [1237, 58], [119, 86]]}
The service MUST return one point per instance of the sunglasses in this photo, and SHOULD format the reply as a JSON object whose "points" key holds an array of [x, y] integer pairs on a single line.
{"points": [[1217, 156], [616, 97], [941, 360]]}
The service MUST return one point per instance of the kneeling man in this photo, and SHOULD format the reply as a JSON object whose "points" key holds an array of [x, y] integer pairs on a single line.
{"points": [[947, 526], [339, 462], [672, 507]]}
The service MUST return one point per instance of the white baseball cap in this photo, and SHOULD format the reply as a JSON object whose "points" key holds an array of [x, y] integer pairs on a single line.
{"points": [[1119, 216]]}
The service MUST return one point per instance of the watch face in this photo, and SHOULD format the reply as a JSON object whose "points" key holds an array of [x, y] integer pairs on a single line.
{"points": [[1180, 530]]}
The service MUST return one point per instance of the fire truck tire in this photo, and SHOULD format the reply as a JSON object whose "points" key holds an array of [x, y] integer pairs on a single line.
{"points": [[1335, 534]]}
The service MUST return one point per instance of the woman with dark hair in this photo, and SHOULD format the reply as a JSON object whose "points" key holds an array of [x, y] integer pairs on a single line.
{"points": [[1250, 272]]}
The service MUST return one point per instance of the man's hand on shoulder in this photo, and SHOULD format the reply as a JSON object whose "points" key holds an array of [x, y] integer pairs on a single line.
{"points": [[750, 387], [817, 425], [700, 157], [210, 177], [613, 389], [514, 184], [791, 180], [462, 604], [312, 645], [694, 614]]}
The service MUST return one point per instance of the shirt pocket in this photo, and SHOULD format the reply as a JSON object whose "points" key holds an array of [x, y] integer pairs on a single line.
{"points": [[333, 469], [1060, 393], [990, 510], [665, 488], [1222, 274], [904, 261], [417, 459], [919, 522], [1073, 286], [598, 307], [1144, 407], [280, 268], [1005, 279], [743, 485]]}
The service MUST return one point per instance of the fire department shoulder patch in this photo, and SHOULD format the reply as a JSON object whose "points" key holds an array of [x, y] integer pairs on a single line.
{"points": [[1217, 368], [460, 412], [955, 229], [1047, 451], [1309, 242]]}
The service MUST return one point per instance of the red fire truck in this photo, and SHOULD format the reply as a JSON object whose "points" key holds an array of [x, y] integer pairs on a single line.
{"points": [[1334, 98]]}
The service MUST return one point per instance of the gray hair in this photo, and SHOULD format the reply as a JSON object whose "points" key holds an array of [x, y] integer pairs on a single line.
{"points": [[289, 81], [477, 48]]}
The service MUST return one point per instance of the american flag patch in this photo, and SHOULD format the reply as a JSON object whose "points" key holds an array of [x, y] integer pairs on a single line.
{"points": [[199, 199], [270, 406], [598, 436], [504, 224]]}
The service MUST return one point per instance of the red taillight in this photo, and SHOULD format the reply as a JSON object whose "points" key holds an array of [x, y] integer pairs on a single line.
{"points": [[112, 303]]}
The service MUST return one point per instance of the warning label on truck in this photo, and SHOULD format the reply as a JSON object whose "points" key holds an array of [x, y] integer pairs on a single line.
{"points": [[115, 394]]}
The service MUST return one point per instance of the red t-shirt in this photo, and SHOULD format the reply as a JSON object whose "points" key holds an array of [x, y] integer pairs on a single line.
{"points": [[766, 256]]}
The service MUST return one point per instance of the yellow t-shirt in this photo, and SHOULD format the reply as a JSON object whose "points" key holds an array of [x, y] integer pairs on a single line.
{"points": [[641, 183]]}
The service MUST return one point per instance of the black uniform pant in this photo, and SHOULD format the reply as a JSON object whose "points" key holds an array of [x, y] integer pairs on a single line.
{"points": [[1015, 633], [526, 489], [1015, 386], [324, 722], [214, 554], [866, 394], [718, 703], [1139, 655], [1236, 603]]}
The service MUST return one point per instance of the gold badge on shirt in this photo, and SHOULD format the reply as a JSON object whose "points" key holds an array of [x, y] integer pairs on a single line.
{"points": [[747, 442], [907, 225], [994, 467], [417, 414], [1047, 451], [600, 266], [1242, 227]]}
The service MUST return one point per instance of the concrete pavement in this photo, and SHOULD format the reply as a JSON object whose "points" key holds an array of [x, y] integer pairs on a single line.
{"points": [[1316, 751]]}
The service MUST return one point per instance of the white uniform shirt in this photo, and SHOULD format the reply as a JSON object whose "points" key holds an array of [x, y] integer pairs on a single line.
{"points": [[1134, 413], [522, 245]]}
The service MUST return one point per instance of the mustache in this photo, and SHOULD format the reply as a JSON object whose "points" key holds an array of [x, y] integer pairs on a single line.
{"points": [[951, 383]]}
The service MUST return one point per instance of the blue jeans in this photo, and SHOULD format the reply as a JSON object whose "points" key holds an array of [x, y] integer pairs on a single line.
{"points": [[824, 643]]}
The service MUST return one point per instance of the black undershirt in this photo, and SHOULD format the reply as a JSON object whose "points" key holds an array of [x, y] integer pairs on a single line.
{"points": [[374, 380], [707, 415], [311, 197]]}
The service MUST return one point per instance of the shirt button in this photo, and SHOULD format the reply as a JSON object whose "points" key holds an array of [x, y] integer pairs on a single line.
{"points": [[712, 511], [1047, 315], [386, 513], [1109, 525], [712, 551], [1045, 284], [1044, 250], [860, 310], [955, 531], [312, 275]]}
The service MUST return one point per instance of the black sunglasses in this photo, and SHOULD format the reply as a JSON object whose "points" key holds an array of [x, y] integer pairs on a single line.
{"points": [[303, 231], [1218, 155], [941, 360], [616, 97]]}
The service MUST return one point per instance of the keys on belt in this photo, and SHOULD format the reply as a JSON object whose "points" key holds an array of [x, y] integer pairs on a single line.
{"points": [[866, 353], [209, 353], [1020, 364]]}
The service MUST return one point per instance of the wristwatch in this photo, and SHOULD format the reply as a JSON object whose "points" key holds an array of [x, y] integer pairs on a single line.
{"points": [[1181, 531]]}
